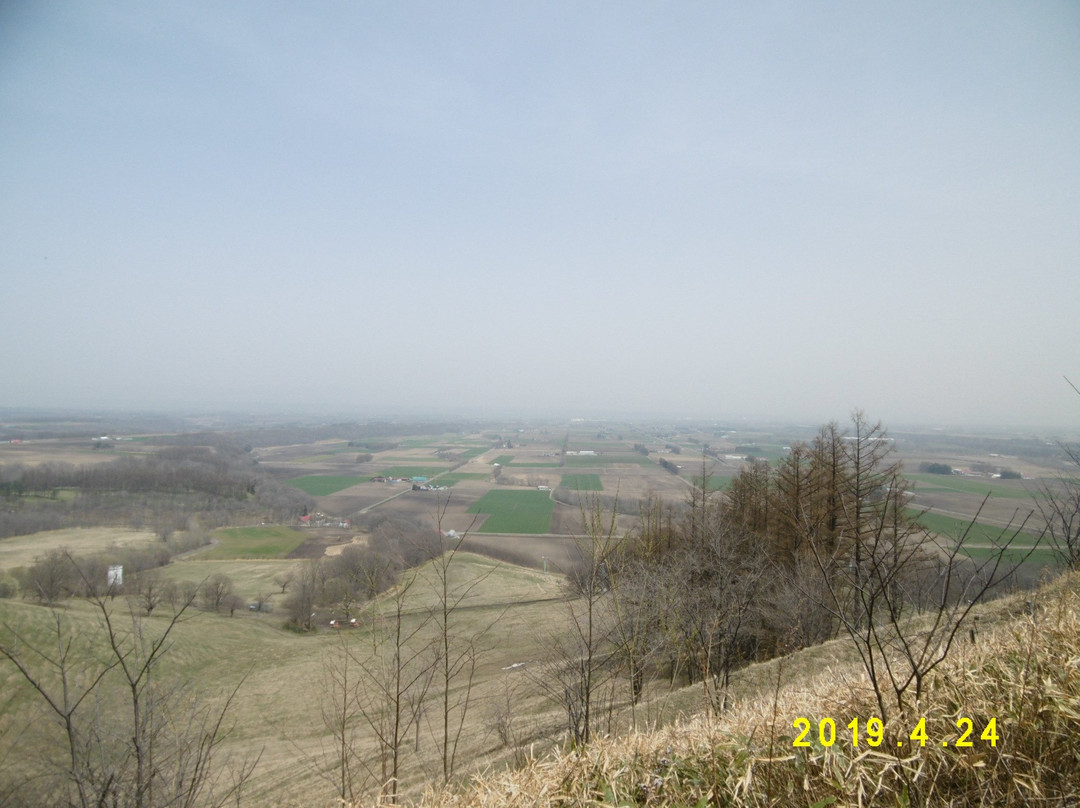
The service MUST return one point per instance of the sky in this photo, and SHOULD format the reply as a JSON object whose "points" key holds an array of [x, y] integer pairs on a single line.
{"points": [[781, 211]]}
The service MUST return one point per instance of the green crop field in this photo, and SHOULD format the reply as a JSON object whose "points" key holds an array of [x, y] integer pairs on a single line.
{"points": [[1043, 556], [419, 442], [582, 482], [967, 485], [254, 542], [476, 451], [515, 511], [716, 483], [950, 527], [504, 460], [321, 485]]}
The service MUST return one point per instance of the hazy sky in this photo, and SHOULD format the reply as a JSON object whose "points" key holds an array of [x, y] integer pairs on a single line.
{"points": [[714, 209]]}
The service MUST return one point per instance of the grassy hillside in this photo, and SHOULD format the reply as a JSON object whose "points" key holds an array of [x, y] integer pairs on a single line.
{"points": [[1018, 684], [1023, 673], [278, 712]]}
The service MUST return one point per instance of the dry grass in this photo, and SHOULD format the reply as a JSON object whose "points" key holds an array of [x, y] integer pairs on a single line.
{"points": [[1024, 672], [278, 710], [20, 551]]}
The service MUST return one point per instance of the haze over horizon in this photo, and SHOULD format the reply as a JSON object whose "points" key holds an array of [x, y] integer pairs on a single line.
{"points": [[776, 210]]}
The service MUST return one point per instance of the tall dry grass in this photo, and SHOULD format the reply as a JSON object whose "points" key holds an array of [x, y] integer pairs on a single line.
{"points": [[1024, 672]]}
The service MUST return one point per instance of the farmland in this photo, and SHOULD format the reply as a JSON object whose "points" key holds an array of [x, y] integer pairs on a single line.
{"points": [[454, 477], [589, 461], [518, 538], [971, 485], [515, 512], [322, 484], [953, 528], [582, 482]]}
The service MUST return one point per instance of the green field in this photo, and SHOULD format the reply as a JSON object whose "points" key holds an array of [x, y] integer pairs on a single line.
{"points": [[582, 482], [967, 485], [716, 483], [515, 511], [1043, 556], [253, 542], [504, 460], [951, 528], [321, 485], [419, 442]]}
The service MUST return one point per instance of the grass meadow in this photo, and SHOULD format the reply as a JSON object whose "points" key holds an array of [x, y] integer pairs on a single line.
{"points": [[20, 551], [253, 542]]}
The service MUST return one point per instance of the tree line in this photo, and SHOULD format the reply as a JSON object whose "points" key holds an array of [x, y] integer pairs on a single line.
{"points": [[162, 491], [820, 544]]}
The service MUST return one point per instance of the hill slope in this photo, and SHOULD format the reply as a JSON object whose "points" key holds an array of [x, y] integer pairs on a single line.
{"points": [[1024, 673]]}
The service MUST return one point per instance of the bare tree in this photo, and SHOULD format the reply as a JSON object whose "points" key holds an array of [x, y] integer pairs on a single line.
{"points": [[1058, 503], [305, 593], [580, 664], [456, 652], [391, 681], [905, 602], [216, 592], [150, 591], [340, 714], [284, 580], [503, 719], [162, 749], [52, 577]]}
